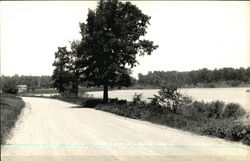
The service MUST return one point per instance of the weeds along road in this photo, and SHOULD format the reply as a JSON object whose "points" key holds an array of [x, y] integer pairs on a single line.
{"points": [[50, 129]]}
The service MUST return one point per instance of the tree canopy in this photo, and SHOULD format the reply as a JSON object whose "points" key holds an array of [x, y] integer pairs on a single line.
{"points": [[111, 40]]}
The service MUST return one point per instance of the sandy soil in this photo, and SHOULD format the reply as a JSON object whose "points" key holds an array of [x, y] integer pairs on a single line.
{"points": [[54, 130]]}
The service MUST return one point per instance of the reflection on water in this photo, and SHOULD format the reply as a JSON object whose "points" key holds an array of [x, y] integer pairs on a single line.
{"points": [[236, 95]]}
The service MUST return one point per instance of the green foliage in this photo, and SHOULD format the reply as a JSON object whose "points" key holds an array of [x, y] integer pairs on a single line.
{"points": [[233, 110], [246, 140], [238, 132], [169, 97], [111, 39], [10, 88], [137, 99], [116, 101], [60, 74], [65, 74], [9, 84], [218, 127], [214, 109]]}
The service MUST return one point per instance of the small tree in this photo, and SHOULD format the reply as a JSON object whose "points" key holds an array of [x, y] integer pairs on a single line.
{"points": [[170, 97], [111, 40], [62, 74]]}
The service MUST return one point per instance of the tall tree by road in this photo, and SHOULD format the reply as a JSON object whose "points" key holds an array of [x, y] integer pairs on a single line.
{"points": [[111, 40]]}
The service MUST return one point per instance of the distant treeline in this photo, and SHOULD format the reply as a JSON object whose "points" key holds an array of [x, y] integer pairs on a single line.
{"points": [[198, 78], [9, 83]]}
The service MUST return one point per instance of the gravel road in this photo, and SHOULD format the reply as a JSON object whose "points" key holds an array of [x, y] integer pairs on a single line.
{"points": [[50, 129]]}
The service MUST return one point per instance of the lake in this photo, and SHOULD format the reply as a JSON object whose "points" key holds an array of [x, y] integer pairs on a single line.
{"points": [[236, 95]]}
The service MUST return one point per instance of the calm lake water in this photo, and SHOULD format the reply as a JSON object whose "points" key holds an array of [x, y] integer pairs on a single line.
{"points": [[236, 95]]}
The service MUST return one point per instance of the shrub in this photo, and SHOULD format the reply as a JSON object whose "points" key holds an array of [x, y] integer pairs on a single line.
{"points": [[233, 110], [11, 89], [193, 110], [113, 100], [92, 102], [246, 140], [169, 97], [238, 132], [214, 109], [137, 100], [215, 131], [116, 101], [121, 102]]}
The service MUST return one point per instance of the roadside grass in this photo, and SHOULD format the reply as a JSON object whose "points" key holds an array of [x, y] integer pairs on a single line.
{"points": [[211, 119], [11, 107]]}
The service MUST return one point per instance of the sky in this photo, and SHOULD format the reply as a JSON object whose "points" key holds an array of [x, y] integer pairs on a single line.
{"points": [[191, 34]]}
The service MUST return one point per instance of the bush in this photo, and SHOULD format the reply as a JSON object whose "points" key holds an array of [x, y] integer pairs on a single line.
{"points": [[194, 110], [113, 100], [246, 140], [214, 109], [122, 102], [215, 131], [169, 97], [238, 132], [137, 98], [11, 89], [116, 101], [233, 110], [92, 102]]}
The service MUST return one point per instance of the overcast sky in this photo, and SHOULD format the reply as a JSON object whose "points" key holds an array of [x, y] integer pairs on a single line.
{"points": [[190, 35]]}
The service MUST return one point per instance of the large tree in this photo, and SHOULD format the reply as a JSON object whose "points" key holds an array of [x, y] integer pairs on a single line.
{"points": [[111, 40]]}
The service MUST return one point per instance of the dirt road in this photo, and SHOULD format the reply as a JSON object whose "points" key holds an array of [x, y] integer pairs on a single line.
{"points": [[54, 130]]}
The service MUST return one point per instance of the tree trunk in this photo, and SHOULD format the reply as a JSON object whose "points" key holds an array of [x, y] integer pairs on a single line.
{"points": [[105, 93]]}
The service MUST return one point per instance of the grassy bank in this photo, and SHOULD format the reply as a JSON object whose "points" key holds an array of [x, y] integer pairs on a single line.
{"points": [[200, 118], [11, 107], [216, 119]]}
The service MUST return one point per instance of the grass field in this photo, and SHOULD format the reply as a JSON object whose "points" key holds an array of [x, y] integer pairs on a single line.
{"points": [[11, 107]]}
